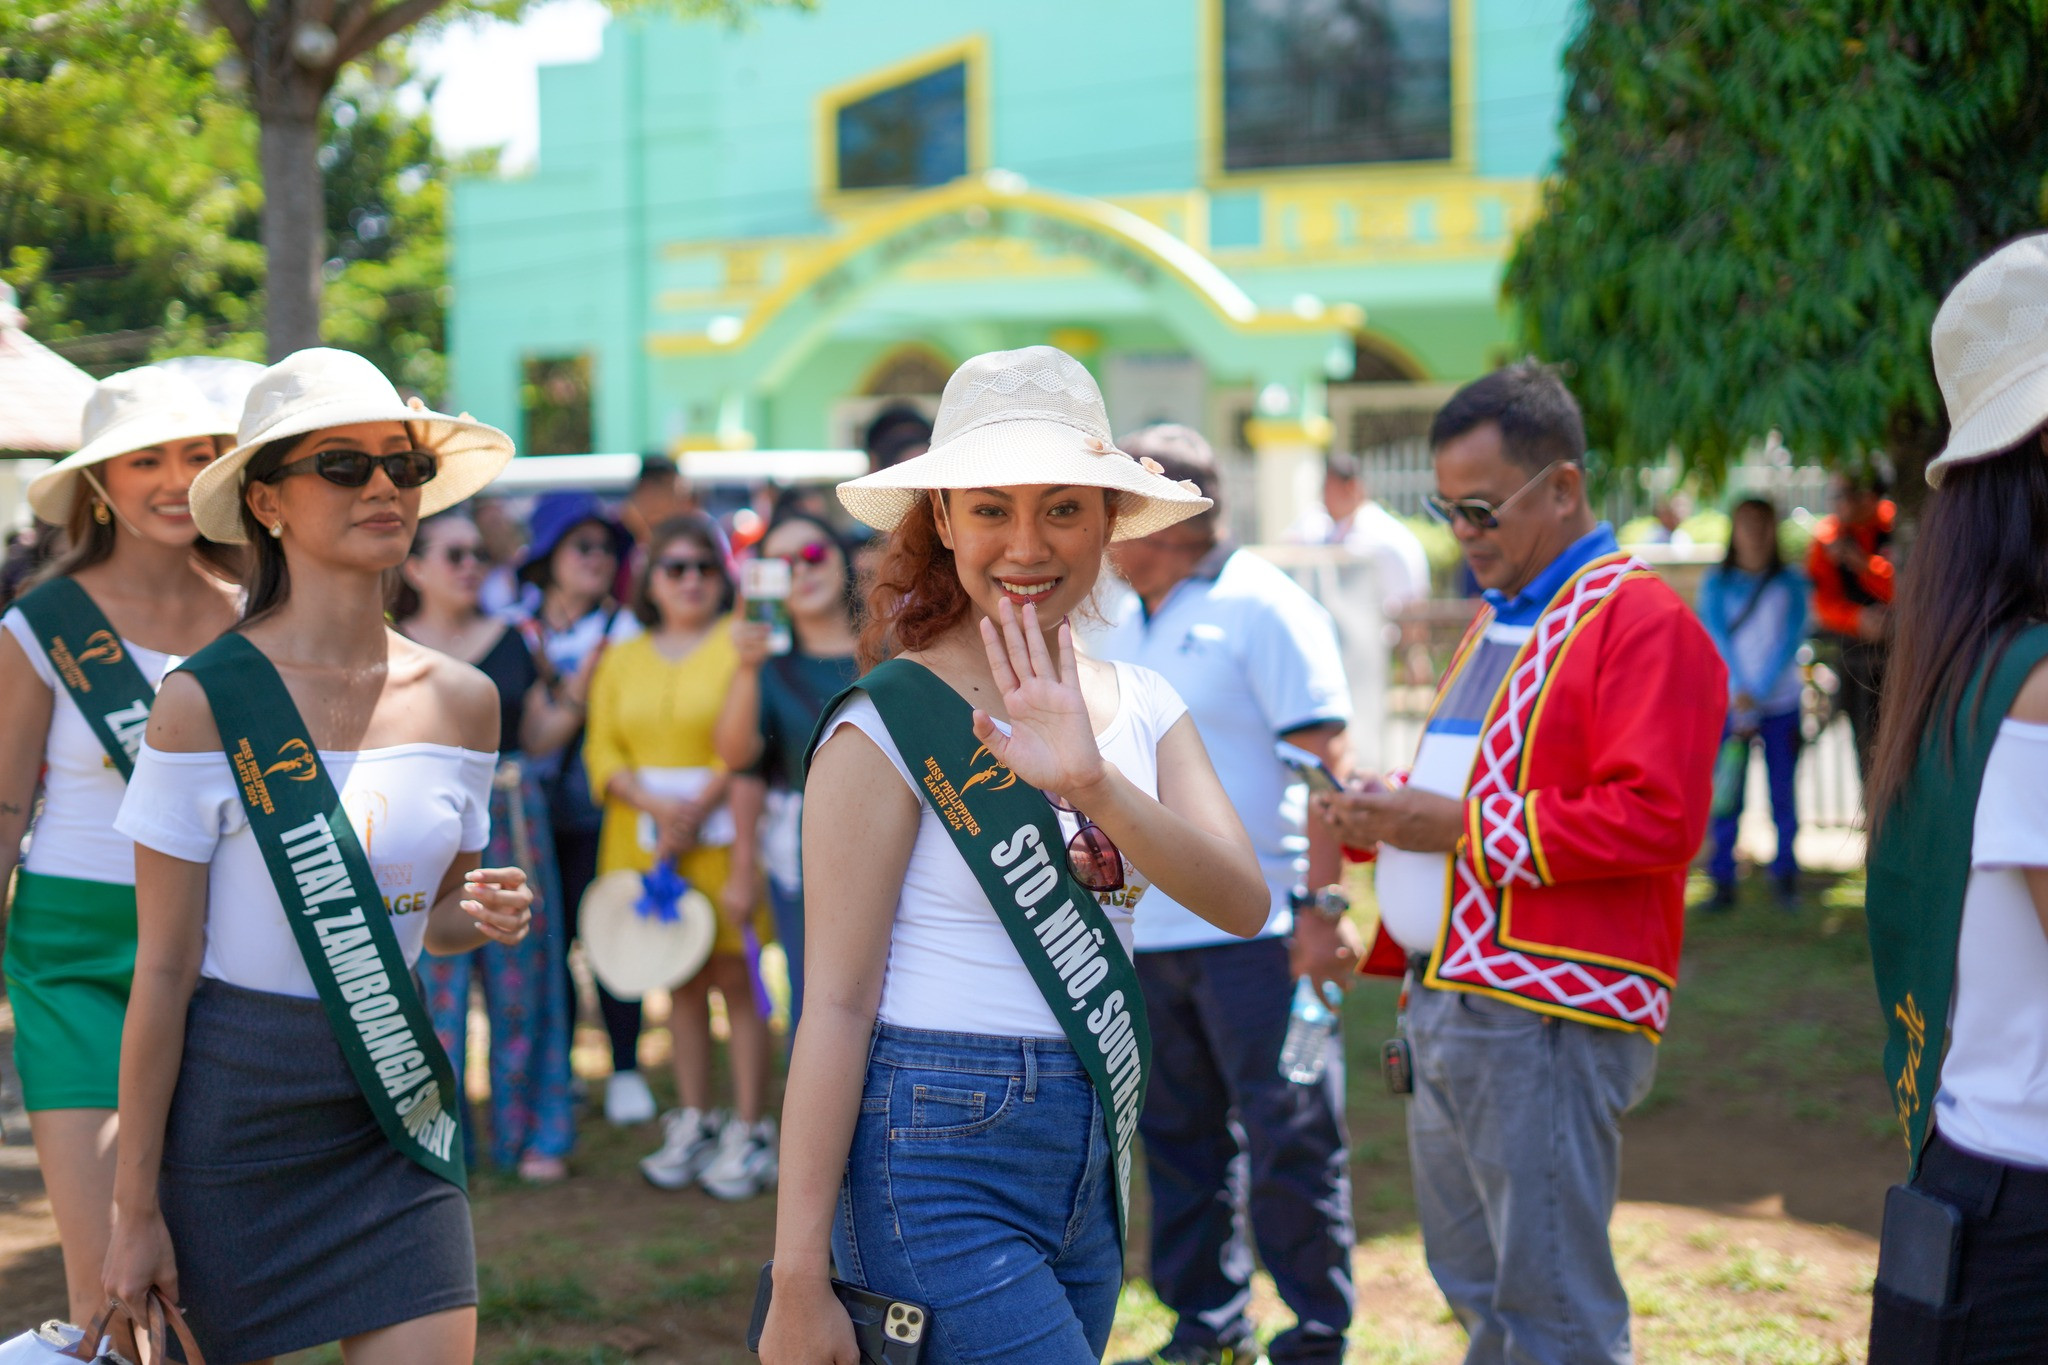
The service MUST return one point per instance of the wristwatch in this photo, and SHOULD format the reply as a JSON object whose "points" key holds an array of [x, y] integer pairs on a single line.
{"points": [[1328, 901]]}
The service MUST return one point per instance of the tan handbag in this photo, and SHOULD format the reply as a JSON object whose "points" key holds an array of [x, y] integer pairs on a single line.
{"points": [[149, 1335]]}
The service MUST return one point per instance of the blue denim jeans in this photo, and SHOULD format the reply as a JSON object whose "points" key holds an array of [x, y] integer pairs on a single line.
{"points": [[1780, 737], [979, 1185], [1515, 1137]]}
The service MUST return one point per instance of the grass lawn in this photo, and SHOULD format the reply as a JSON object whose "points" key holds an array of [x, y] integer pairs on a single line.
{"points": [[1753, 1178]]}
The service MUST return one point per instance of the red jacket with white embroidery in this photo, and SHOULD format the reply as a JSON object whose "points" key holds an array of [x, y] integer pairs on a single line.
{"points": [[1587, 801]]}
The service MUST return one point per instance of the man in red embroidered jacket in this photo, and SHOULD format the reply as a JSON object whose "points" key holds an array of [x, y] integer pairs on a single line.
{"points": [[1531, 878]]}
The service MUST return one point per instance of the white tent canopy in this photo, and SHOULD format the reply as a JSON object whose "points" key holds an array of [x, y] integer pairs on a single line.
{"points": [[42, 395]]}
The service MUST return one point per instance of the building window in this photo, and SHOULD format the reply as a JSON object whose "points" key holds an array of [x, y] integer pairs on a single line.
{"points": [[554, 398], [1335, 82], [907, 136]]}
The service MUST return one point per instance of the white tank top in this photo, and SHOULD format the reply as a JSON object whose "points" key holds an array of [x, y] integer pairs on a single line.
{"points": [[74, 833], [413, 807], [952, 966]]}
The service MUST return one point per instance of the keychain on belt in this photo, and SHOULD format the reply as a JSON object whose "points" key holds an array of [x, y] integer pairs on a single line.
{"points": [[1397, 1061]]}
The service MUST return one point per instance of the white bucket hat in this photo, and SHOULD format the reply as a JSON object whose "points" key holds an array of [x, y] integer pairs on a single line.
{"points": [[1991, 354], [632, 953], [129, 411], [1032, 416], [320, 387]]}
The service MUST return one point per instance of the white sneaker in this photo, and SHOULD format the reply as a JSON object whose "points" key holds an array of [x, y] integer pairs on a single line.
{"points": [[627, 1100], [687, 1146], [746, 1161]]}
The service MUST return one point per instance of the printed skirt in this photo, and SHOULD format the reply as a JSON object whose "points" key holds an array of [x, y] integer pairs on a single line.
{"points": [[70, 958], [295, 1222]]}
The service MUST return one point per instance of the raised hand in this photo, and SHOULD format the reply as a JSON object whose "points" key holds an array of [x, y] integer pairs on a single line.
{"points": [[1051, 743]]}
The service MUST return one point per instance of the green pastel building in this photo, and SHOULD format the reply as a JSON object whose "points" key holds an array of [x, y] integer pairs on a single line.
{"points": [[1283, 221]]}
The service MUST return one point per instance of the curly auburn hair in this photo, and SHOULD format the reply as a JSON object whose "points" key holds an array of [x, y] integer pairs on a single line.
{"points": [[915, 595]]}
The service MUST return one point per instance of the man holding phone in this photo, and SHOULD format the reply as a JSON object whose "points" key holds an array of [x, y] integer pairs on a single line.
{"points": [[1531, 877], [1229, 1141]]}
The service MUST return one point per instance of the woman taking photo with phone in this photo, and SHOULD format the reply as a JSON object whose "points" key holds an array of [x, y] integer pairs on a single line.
{"points": [[977, 1034], [1958, 898], [525, 995], [653, 706], [307, 811], [771, 709], [80, 660]]}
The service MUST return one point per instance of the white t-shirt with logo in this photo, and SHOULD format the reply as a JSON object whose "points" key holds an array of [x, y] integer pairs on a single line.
{"points": [[1993, 1099], [413, 808], [952, 966], [74, 833]]}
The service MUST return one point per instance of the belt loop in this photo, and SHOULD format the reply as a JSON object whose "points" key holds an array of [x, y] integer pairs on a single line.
{"points": [[1030, 1071]]}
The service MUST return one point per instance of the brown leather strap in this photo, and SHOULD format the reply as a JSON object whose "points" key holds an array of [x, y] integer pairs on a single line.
{"points": [[149, 1338]]}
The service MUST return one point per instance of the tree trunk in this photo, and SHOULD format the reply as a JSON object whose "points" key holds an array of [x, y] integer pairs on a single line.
{"points": [[294, 227]]}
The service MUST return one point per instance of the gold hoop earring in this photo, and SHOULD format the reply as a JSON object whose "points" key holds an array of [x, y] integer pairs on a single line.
{"points": [[277, 530], [100, 513]]}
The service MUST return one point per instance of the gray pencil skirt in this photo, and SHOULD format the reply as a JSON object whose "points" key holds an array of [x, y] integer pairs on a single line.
{"points": [[293, 1219]]}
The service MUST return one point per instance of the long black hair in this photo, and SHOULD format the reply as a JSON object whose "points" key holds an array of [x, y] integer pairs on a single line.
{"points": [[1769, 511], [270, 578], [1977, 573]]}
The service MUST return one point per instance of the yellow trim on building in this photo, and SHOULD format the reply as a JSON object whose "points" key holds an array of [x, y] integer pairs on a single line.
{"points": [[972, 51], [1210, 123]]}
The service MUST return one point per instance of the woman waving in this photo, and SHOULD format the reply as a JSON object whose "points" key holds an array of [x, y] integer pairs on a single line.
{"points": [[976, 1038]]}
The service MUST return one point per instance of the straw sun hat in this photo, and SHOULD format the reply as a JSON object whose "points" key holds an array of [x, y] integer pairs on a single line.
{"points": [[632, 953], [127, 412], [1991, 354], [320, 387], [1032, 416]]}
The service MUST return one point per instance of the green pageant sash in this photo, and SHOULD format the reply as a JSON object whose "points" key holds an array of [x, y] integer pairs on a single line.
{"points": [[1010, 837], [1919, 873], [104, 683], [331, 899]]}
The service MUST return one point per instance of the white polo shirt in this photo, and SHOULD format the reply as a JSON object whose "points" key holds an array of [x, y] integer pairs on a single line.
{"points": [[1254, 657]]}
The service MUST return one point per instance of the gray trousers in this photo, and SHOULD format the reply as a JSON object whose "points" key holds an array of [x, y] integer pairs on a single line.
{"points": [[1514, 1136]]}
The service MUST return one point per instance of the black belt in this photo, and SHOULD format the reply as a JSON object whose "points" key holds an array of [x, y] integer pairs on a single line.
{"points": [[1975, 1183]]}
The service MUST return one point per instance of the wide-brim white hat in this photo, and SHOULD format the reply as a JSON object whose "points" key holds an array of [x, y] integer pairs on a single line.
{"points": [[632, 953], [1033, 416], [1990, 346], [127, 412], [320, 387]]}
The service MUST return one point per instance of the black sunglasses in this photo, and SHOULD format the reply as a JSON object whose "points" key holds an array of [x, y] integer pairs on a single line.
{"points": [[459, 555], [352, 468], [683, 568], [1092, 856], [1484, 515]]}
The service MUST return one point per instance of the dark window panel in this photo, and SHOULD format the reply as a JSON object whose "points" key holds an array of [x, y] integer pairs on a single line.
{"points": [[908, 136]]}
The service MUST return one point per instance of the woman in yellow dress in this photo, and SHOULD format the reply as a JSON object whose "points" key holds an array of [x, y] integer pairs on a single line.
{"points": [[653, 706]]}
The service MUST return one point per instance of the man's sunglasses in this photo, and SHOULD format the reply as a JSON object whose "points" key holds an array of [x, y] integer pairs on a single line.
{"points": [[679, 569], [1092, 856], [1481, 514], [352, 468], [813, 553]]}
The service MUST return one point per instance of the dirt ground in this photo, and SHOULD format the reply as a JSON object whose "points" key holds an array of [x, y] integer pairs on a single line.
{"points": [[1753, 1181]]}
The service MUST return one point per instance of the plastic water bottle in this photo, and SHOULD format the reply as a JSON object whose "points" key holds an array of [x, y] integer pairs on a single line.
{"points": [[1310, 1025]]}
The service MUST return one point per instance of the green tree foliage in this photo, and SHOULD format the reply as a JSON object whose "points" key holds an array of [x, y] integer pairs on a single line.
{"points": [[129, 197], [1759, 206]]}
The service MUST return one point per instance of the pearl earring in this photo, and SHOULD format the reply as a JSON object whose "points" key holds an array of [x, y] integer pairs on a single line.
{"points": [[277, 530]]}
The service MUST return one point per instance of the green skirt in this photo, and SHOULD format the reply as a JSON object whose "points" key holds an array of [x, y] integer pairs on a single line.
{"points": [[70, 958]]}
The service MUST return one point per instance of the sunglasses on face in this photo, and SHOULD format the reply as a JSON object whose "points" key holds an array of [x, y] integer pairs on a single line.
{"points": [[459, 555], [589, 546], [1478, 512], [678, 569], [1092, 856], [353, 468], [813, 553]]}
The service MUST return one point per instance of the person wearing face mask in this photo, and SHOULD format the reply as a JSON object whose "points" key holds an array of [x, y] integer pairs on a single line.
{"points": [[80, 659], [308, 809], [653, 707], [573, 560], [1531, 876], [963, 1098], [532, 1122], [775, 702]]}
